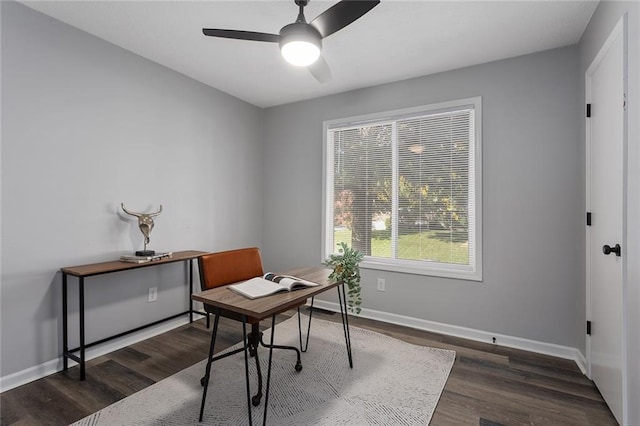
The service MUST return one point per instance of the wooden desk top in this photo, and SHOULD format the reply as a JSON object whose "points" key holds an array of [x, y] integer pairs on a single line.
{"points": [[264, 307], [116, 265]]}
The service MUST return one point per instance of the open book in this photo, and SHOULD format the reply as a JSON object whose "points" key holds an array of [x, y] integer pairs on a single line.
{"points": [[269, 284]]}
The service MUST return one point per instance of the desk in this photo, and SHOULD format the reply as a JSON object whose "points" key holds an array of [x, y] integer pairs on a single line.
{"points": [[265, 307], [84, 271]]}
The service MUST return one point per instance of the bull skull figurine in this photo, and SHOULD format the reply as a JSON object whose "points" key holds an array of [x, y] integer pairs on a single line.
{"points": [[145, 223]]}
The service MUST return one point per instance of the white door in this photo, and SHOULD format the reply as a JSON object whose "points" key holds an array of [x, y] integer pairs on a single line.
{"points": [[605, 200]]}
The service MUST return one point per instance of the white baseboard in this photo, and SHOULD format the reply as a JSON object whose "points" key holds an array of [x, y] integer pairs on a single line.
{"points": [[30, 374], [53, 366], [581, 360], [559, 351]]}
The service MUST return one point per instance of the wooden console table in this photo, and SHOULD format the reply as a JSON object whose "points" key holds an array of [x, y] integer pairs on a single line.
{"points": [[84, 271]]}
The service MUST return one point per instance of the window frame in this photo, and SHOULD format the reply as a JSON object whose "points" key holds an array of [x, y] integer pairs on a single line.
{"points": [[464, 272]]}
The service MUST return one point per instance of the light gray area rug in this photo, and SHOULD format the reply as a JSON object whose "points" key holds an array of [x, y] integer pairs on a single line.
{"points": [[391, 383]]}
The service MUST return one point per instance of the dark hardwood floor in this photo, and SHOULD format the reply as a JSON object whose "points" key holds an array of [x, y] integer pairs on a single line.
{"points": [[489, 385]]}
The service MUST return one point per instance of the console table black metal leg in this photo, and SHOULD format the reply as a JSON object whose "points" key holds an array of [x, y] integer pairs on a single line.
{"points": [[207, 374], [65, 335], [190, 261], [266, 395], [342, 297], [81, 312]]}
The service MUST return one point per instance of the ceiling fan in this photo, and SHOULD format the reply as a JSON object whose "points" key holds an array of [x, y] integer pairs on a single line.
{"points": [[301, 42]]}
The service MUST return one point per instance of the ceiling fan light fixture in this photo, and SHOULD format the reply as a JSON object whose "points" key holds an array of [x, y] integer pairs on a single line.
{"points": [[300, 53], [300, 44]]}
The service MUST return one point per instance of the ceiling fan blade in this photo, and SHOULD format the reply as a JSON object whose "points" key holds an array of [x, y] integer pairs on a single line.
{"points": [[242, 35], [320, 70], [342, 14]]}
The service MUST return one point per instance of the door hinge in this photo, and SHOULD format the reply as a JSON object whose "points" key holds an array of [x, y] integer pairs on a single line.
{"points": [[588, 110], [589, 328], [588, 218]]}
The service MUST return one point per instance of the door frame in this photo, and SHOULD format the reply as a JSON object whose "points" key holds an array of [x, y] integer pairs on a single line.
{"points": [[620, 30]]}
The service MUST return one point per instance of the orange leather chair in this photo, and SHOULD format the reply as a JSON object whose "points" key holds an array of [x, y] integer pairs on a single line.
{"points": [[228, 267]]}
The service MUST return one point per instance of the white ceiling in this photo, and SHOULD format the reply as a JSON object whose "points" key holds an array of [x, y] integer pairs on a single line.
{"points": [[397, 40]]}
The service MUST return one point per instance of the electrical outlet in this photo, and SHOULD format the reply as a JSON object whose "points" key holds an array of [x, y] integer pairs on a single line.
{"points": [[381, 284], [153, 294]]}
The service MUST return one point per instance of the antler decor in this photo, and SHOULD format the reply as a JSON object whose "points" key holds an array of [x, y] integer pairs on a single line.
{"points": [[145, 223]]}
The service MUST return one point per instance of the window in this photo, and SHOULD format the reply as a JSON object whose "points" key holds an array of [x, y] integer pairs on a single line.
{"points": [[403, 187]]}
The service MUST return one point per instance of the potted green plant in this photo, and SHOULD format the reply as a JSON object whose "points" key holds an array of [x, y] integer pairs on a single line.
{"points": [[346, 269]]}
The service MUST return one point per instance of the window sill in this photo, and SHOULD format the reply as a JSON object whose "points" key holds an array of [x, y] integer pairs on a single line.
{"points": [[408, 267]]}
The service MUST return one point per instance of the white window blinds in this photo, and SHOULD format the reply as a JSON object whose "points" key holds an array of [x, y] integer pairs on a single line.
{"points": [[403, 189]]}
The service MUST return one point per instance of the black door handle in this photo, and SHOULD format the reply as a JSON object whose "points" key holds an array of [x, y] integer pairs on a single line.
{"points": [[606, 249]]}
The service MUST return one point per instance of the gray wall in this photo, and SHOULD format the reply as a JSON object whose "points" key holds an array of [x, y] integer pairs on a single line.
{"points": [[86, 125], [532, 195], [602, 23]]}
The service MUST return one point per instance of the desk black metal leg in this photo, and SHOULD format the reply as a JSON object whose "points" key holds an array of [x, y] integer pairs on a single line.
{"points": [[266, 394], [306, 346], [65, 336], [82, 345], [342, 296], [246, 366], [207, 374]]}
